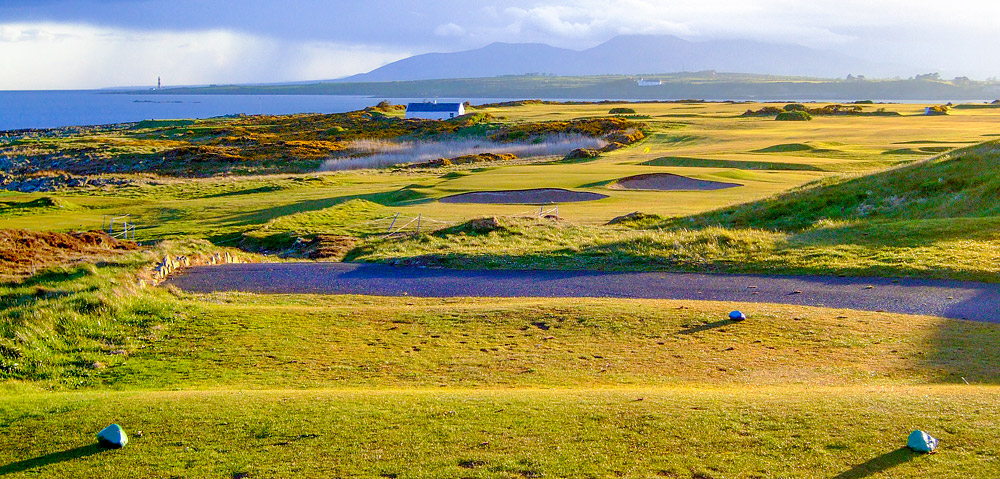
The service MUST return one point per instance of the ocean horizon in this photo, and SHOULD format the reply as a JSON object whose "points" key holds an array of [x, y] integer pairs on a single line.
{"points": [[42, 109], [39, 109]]}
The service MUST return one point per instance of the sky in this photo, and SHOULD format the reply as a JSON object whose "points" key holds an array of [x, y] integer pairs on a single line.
{"points": [[80, 44]]}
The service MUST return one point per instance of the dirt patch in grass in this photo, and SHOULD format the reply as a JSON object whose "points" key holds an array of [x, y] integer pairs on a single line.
{"points": [[536, 196], [330, 247], [669, 182], [24, 252]]}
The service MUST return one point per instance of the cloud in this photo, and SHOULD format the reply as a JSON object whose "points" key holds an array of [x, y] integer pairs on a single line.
{"points": [[61, 56], [124, 42], [449, 30], [590, 20], [957, 36]]}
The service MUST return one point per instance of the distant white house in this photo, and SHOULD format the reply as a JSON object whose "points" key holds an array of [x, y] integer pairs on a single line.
{"points": [[434, 110], [644, 82]]}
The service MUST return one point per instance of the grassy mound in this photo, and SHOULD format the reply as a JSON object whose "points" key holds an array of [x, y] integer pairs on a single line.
{"points": [[350, 219], [963, 183], [465, 160], [621, 111], [636, 219], [787, 148], [793, 116], [39, 205], [477, 227], [70, 323], [24, 252]]}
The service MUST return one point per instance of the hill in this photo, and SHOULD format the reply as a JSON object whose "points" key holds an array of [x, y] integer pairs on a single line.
{"points": [[961, 183], [676, 86], [624, 55]]}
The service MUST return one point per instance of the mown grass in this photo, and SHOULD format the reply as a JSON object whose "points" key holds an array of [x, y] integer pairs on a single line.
{"points": [[228, 384], [250, 341], [765, 432], [934, 218], [743, 165]]}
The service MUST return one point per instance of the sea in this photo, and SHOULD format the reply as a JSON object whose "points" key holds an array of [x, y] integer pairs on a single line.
{"points": [[53, 109]]}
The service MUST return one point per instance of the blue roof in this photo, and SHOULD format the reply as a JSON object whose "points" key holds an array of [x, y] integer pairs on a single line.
{"points": [[428, 107]]}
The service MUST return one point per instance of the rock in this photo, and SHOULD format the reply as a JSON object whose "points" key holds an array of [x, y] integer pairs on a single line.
{"points": [[920, 441], [737, 316], [112, 437]]}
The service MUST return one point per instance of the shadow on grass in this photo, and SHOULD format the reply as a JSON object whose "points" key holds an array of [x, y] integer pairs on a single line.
{"points": [[706, 327], [742, 165], [879, 464], [384, 198], [966, 352], [55, 275], [53, 458]]}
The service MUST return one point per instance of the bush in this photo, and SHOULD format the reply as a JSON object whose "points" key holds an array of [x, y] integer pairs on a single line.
{"points": [[766, 111], [793, 116], [837, 110], [582, 154], [621, 111], [795, 107]]}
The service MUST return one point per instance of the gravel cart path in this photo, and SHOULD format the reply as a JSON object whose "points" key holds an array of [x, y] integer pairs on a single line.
{"points": [[950, 299]]}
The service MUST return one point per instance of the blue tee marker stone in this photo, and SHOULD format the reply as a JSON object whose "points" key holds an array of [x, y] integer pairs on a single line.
{"points": [[737, 316], [920, 441], [112, 437]]}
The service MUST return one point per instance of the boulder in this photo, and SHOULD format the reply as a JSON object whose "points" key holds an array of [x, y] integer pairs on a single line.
{"points": [[112, 437], [920, 441]]}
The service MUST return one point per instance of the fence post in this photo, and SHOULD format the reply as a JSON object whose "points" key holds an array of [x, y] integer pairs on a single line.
{"points": [[418, 222]]}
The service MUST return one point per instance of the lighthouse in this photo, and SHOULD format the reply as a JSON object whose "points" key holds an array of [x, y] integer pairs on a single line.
{"points": [[158, 84]]}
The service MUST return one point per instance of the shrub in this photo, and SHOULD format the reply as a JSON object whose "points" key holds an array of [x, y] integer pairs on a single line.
{"points": [[582, 154], [766, 111], [793, 116], [836, 110], [621, 111], [795, 107]]}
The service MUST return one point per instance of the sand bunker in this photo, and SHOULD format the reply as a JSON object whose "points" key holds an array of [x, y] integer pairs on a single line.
{"points": [[540, 196], [669, 182]]}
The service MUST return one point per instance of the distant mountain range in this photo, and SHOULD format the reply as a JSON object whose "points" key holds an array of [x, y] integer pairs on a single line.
{"points": [[626, 55]]}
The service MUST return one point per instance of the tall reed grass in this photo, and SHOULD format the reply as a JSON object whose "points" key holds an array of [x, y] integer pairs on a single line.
{"points": [[382, 154]]}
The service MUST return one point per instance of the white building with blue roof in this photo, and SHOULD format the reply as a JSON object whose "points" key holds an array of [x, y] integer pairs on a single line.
{"points": [[434, 110]]}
